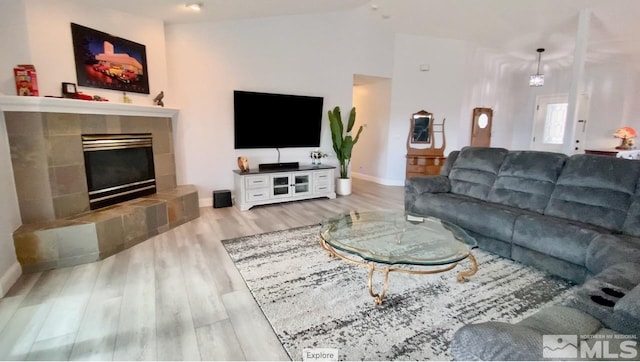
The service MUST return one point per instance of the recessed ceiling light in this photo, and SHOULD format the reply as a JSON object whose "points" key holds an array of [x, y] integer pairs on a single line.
{"points": [[194, 6]]}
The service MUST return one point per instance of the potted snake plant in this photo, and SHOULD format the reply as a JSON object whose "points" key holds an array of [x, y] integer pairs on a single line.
{"points": [[343, 144]]}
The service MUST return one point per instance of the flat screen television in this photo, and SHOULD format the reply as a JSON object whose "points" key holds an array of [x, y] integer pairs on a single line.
{"points": [[268, 120]]}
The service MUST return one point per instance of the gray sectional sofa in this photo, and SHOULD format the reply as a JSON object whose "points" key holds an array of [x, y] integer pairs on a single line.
{"points": [[576, 217]]}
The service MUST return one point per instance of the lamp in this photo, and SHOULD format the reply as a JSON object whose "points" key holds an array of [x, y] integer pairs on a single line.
{"points": [[626, 134], [537, 80]]}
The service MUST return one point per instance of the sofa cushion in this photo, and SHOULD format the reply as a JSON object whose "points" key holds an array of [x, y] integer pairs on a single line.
{"points": [[607, 250], [489, 219], [492, 220], [554, 236], [475, 170], [558, 319], [496, 246], [448, 164], [595, 190], [526, 179], [550, 264], [443, 206]]}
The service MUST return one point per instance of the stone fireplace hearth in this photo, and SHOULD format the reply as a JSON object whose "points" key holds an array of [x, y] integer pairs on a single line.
{"points": [[48, 159], [58, 227]]}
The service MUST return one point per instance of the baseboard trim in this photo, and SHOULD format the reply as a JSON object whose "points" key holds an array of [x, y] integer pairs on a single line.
{"points": [[206, 202], [9, 278], [378, 180]]}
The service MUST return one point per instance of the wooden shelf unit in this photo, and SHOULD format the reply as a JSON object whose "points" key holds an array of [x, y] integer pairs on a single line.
{"points": [[428, 160], [420, 165]]}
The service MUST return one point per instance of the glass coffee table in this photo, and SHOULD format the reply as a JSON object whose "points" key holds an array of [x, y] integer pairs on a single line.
{"points": [[393, 241]]}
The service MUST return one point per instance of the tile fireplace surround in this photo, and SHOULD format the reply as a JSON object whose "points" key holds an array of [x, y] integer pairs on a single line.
{"points": [[58, 229]]}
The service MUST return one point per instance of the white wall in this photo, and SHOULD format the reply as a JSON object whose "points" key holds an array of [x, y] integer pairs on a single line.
{"points": [[51, 47], [439, 91], [614, 103], [307, 54], [10, 269], [15, 51], [372, 100], [14, 42], [612, 90]]}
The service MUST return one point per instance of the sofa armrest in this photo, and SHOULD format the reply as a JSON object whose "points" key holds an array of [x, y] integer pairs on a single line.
{"points": [[491, 341], [416, 186], [607, 250], [523, 340], [629, 306], [428, 184]]}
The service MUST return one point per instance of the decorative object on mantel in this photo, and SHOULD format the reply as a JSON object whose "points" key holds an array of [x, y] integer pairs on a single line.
{"points": [[626, 134], [100, 99], [107, 61], [317, 156], [243, 164], [84, 97], [69, 90], [343, 145], [125, 98], [26, 80], [158, 99], [426, 160]]}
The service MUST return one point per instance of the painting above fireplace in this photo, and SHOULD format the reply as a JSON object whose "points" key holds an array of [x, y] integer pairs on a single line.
{"points": [[107, 61]]}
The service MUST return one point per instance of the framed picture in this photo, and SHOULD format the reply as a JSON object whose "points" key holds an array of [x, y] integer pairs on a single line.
{"points": [[107, 61], [69, 90]]}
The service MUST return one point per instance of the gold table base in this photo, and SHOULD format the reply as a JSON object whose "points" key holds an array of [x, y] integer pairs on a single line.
{"points": [[379, 298]]}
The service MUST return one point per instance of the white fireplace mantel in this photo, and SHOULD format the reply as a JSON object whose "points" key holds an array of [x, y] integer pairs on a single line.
{"points": [[63, 105]]}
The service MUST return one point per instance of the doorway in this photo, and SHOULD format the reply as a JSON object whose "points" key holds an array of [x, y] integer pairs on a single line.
{"points": [[372, 99], [549, 120]]}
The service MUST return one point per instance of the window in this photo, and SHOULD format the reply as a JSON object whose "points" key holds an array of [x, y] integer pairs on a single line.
{"points": [[554, 123]]}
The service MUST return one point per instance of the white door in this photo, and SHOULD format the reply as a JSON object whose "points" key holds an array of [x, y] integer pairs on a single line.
{"points": [[549, 122]]}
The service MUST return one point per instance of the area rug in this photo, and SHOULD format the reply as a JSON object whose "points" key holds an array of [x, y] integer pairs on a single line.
{"points": [[314, 301]]}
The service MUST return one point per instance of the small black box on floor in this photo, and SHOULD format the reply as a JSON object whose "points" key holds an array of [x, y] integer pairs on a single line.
{"points": [[221, 198]]}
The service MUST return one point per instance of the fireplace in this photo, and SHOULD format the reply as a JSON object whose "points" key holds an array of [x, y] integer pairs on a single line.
{"points": [[119, 167]]}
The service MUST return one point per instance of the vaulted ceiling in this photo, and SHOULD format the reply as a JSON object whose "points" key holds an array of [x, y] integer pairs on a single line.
{"points": [[516, 27]]}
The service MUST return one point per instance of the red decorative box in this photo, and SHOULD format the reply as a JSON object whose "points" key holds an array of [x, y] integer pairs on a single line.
{"points": [[26, 80]]}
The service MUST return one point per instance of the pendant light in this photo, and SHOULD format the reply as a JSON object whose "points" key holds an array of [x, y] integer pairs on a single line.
{"points": [[537, 80]]}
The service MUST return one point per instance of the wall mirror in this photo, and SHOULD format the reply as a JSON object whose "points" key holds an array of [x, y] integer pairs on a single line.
{"points": [[420, 123], [483, 120]]}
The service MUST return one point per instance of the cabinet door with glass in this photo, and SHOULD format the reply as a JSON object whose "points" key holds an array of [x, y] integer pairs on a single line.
{"points": [[301, 183], [285, 185], [280, 185]]}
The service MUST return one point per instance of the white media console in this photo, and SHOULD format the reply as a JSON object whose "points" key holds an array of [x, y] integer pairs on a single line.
{"points": [[263, 187]]}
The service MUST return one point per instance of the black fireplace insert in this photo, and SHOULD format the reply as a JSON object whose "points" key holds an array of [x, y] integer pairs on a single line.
{"points": [[119, 167]]}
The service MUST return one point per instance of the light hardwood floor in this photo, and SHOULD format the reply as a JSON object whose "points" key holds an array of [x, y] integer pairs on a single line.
{"points": [[176, 296]]}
